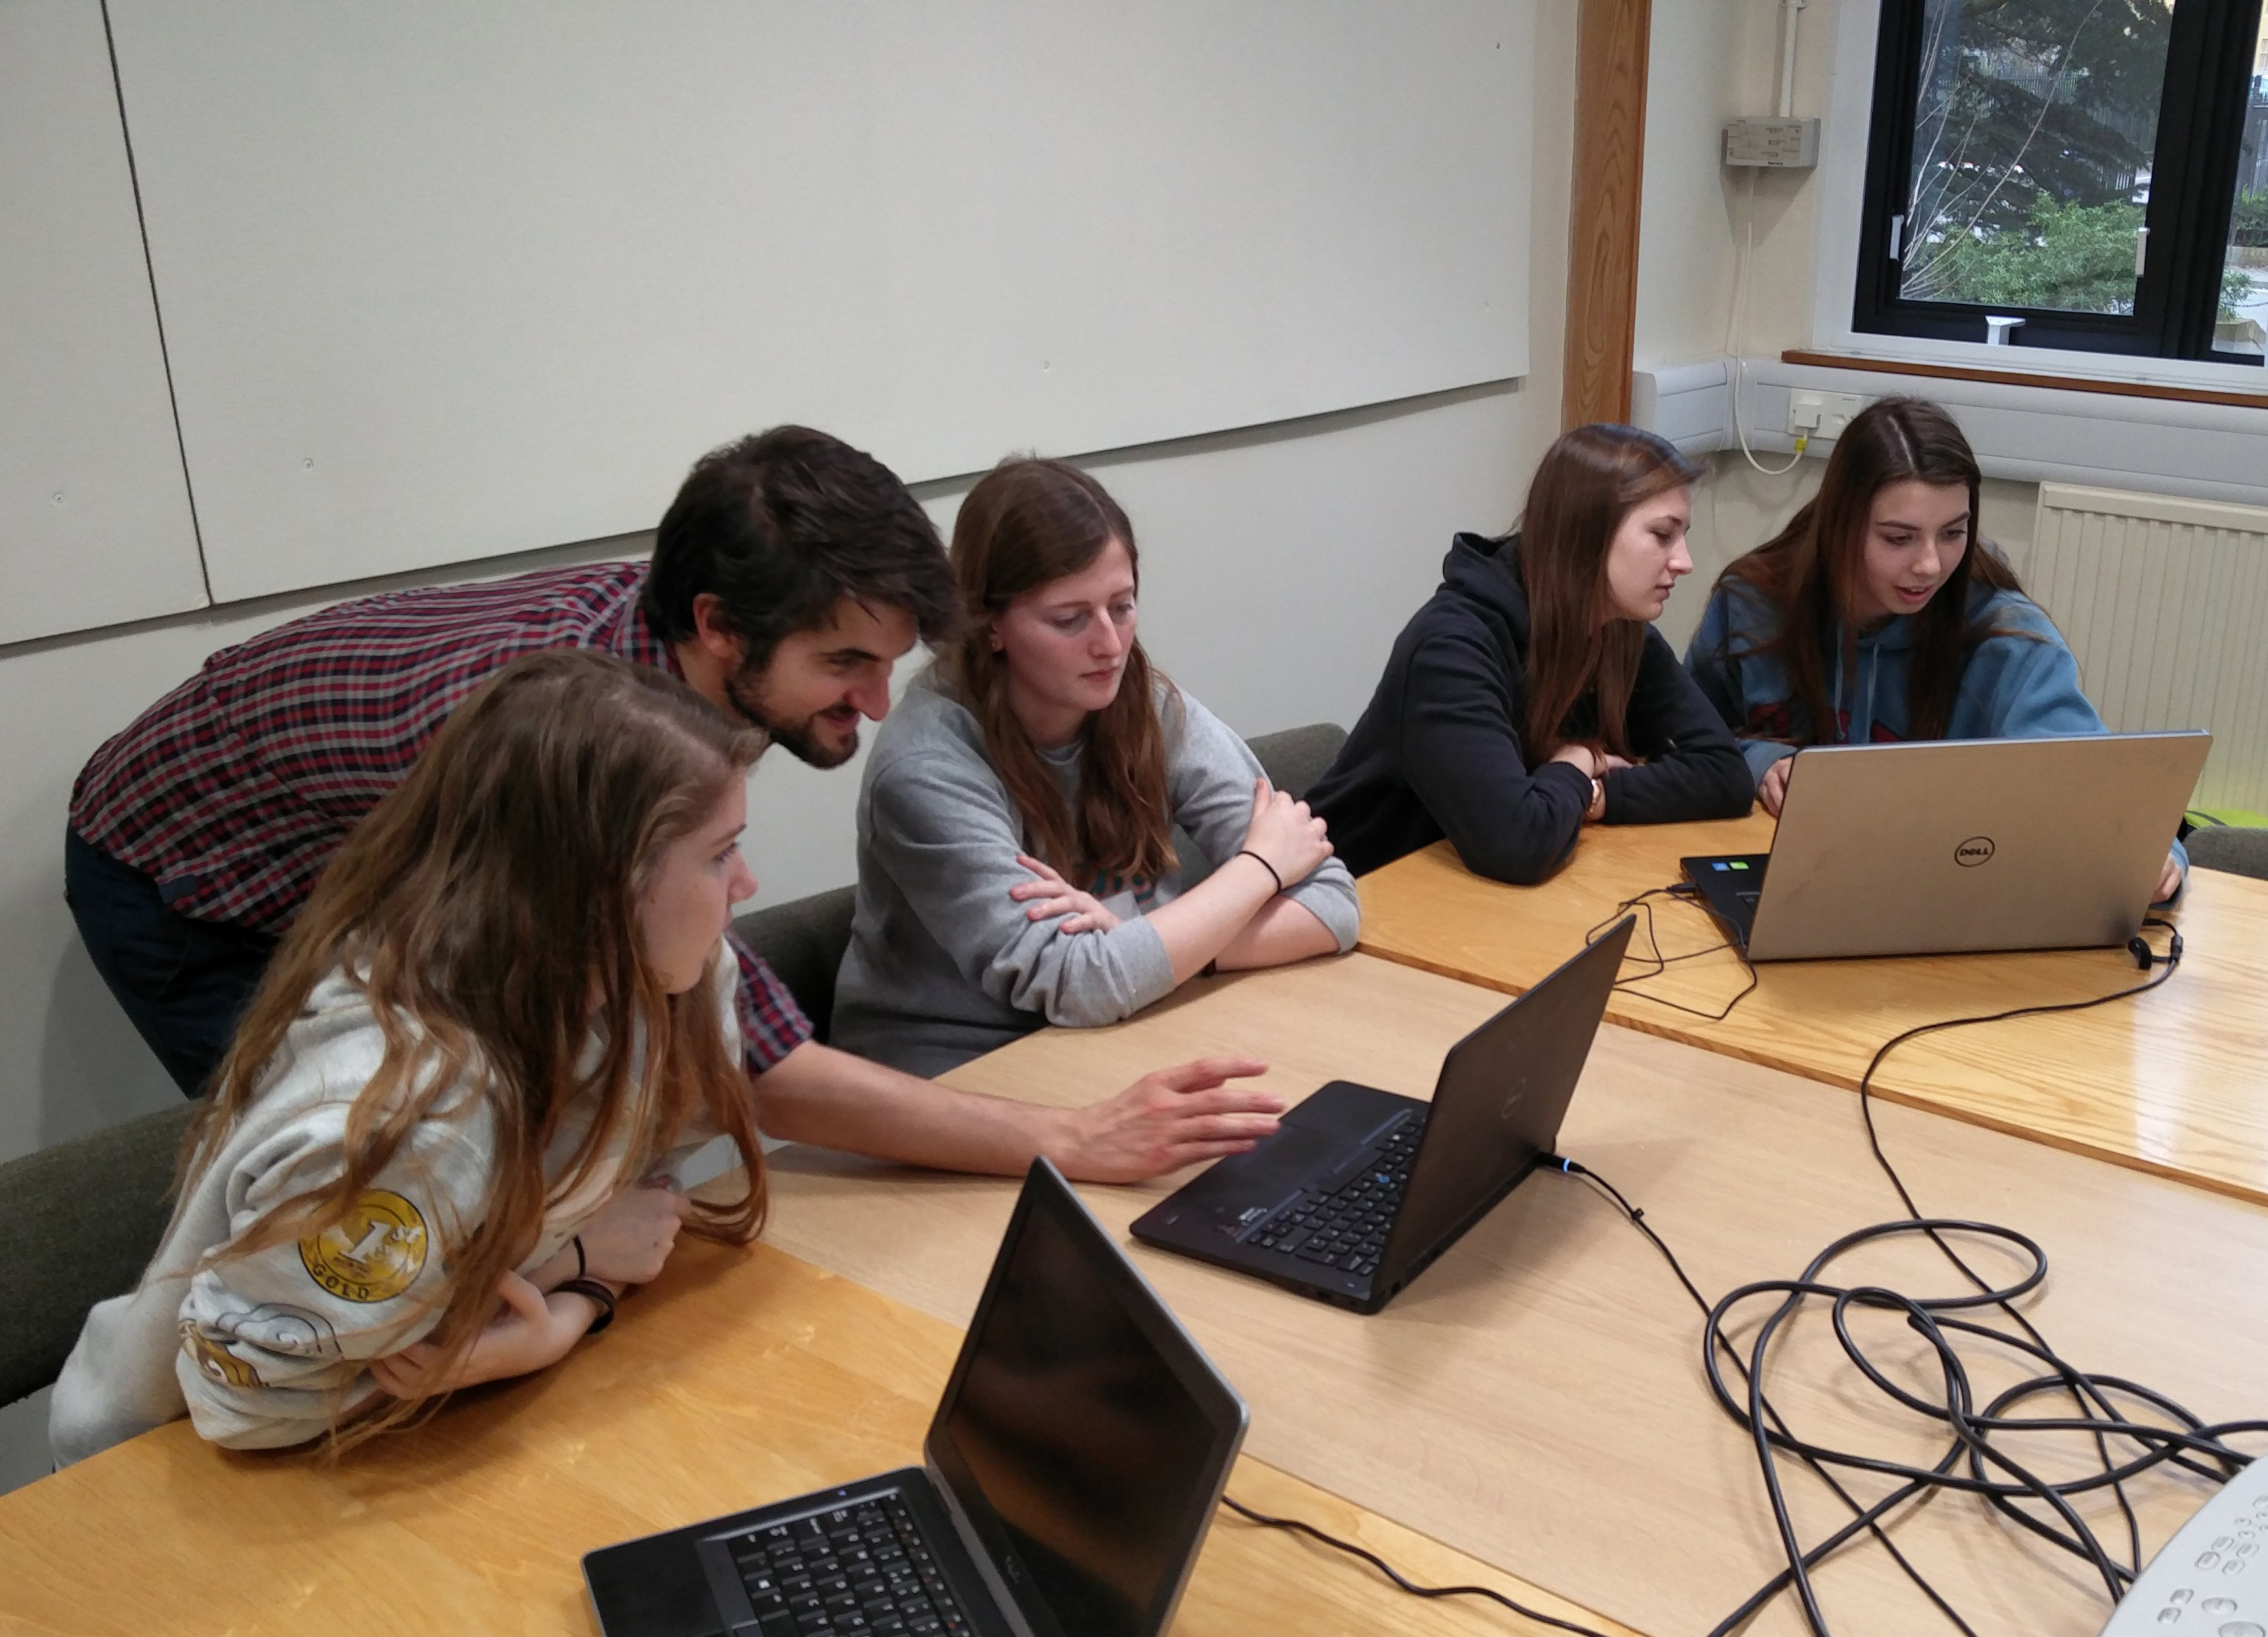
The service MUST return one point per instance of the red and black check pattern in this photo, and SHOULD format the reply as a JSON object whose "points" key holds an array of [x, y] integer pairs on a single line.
{"points": [[233, 791]]}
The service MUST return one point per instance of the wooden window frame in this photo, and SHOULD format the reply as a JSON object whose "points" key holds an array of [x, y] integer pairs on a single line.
{"points": [[1612, 39]]}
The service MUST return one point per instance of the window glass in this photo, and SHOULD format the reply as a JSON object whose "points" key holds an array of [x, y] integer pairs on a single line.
{"points": [[2242, 328], [2033, 132]]}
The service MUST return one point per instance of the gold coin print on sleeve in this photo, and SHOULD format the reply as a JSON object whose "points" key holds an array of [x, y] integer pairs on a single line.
{"points": [[373, 1254], [216, 1363]]}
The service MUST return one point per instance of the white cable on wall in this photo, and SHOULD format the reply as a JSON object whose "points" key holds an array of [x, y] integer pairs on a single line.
{"points": [[1789, 10], [1736, 327]]}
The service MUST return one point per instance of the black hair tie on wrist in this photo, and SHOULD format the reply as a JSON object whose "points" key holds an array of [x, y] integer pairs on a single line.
{"points": [[582, 1267], [1247, 853], [600, 1295]]}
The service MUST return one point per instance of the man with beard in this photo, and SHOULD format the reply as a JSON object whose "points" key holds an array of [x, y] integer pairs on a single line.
{"points": [[789, 575]]}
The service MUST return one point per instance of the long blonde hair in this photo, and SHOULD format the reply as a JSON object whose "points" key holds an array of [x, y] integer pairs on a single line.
{"points": [[487, 907]]}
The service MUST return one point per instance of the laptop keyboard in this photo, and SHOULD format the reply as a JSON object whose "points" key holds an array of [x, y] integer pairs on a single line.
{"points": [[1345, 1229], [861, 1567]]}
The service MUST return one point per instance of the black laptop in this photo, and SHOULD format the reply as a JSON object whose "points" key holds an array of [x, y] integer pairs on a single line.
{"points": [[1071, 1473], [1729, 885], [1359, 1190]]}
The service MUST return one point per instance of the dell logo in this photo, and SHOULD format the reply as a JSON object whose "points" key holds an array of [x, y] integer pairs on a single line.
{"points": [[1975, 851], [1512, 1103]]}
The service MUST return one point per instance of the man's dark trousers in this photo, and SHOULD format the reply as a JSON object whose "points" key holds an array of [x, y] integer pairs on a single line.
{"points": [[183, 983]]}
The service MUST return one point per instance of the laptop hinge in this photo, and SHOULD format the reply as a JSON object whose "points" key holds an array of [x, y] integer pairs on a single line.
{"points": [[979, 1552]]}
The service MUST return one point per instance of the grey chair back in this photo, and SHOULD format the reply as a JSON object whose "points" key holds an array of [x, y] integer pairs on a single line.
{"points": [[78, 1222], [2240, 851], [1295, 758], [803, 941]]}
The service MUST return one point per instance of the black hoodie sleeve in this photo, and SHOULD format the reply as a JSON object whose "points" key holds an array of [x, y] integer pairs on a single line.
{"points": [[1460, 755], [1693, 768]]}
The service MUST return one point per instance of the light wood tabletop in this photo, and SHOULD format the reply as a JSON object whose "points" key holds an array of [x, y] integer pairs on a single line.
{"points": [[2171, 1082], [741, 1376], [1536, 1399]]}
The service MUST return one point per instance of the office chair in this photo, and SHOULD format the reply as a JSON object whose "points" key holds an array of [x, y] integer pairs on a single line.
{"points": [[78, 1222], [803, 941], [2241, 851], [1297, 757]]}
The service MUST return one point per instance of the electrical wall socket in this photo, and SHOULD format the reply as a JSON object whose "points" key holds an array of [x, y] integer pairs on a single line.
{"points": [[1779, 144], [1822, 415]]}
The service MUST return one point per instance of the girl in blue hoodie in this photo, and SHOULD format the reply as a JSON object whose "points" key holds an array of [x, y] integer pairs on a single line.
{"points": [[1868, 619]]}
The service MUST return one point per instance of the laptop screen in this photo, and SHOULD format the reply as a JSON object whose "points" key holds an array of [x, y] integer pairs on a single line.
{"points": [[1084, 1434], [1503, 1092]]}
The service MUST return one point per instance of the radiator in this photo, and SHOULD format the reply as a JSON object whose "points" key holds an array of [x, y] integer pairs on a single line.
{"points": [[2165, 603]]}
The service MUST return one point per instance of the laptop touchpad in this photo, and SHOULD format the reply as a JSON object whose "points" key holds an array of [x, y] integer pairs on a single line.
{"points": [[1292, 1155]]}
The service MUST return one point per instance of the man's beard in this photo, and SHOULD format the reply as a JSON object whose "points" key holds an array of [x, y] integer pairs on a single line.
{"points": [[800, 739]]}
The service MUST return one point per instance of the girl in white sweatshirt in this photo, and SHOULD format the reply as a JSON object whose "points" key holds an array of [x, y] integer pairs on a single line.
{"points": [[433, 1155]]}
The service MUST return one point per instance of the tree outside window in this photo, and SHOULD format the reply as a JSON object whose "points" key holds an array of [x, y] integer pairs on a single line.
{"points": [[2017, 150]]}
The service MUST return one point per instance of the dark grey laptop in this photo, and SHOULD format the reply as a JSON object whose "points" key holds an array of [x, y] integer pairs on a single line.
{"points": [[1360, 1190], [1071, 1473], [1948, 845]]}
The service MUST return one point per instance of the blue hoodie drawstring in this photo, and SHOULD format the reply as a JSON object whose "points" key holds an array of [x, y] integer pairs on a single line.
{"points": [[1863, 717], [1866, 715], [1842, 728]]}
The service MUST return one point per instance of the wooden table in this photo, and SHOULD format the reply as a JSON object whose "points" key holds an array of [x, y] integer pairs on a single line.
{"points": [[2174, 1082], [1536, 1398], [742, 1377]]}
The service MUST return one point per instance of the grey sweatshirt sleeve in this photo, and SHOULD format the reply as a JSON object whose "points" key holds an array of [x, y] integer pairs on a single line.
{"points": [[1211, 773], [273, 1343], [942, 828]]}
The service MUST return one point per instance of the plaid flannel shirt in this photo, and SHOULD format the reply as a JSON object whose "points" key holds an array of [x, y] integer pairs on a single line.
{"points": [[233, 791]]}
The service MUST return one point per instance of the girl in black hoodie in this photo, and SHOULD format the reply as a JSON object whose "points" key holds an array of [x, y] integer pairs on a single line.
{"points": [[1532, 693]]}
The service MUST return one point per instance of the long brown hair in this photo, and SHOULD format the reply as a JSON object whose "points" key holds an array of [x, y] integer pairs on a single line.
{"points": [[1587, 484], [1028, 521], [487, 907], [1812, 574]]}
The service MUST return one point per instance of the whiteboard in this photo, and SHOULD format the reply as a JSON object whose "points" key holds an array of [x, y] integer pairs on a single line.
{"points": [[445, 282], [94, 511]]}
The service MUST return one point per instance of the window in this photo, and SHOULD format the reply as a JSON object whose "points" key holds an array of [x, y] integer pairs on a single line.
{"points": [[2095, 169]]}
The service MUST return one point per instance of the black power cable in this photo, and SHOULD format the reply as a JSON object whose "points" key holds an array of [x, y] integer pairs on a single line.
{"points": [[1974, 1463], [2144, 959], [1661, 963], [2190, 1443], [1866, 1518], [1402, 1581]]}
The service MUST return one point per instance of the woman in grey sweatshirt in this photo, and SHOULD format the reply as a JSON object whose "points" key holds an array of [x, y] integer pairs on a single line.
{"points": [[1049, 831]]}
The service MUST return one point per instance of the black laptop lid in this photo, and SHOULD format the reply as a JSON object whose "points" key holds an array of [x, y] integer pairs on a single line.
{"points": [[1503, 1091], [1084, 1435]]}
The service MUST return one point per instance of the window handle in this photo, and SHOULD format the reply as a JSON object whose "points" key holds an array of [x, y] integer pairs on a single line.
{"points": [[1898, 235], [2141, 249]]}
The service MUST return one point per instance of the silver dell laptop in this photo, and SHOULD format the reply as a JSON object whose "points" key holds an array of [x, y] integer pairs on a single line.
{"points": [[1950, 845]]}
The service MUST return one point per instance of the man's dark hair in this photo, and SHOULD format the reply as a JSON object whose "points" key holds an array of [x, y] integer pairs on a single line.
{"points": [[780, 527]]}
